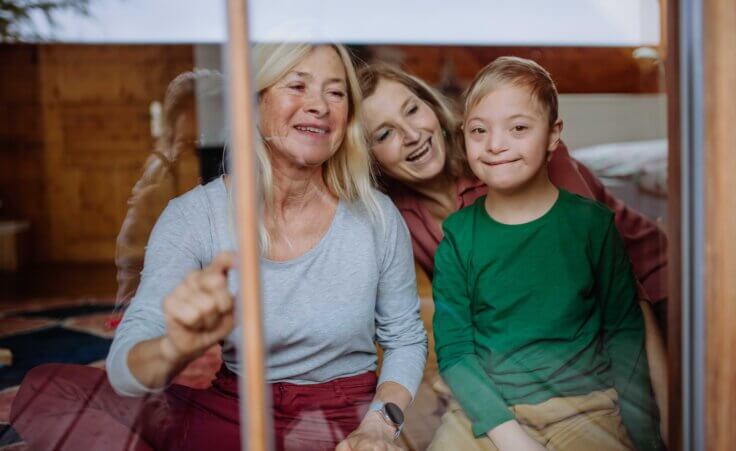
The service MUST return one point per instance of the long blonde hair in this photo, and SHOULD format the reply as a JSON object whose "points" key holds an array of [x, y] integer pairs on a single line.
{"points": [[348, 173], [456, 164]]}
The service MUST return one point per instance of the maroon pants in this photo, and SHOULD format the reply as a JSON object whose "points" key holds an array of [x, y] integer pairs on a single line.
{"points": [[72, 407]]}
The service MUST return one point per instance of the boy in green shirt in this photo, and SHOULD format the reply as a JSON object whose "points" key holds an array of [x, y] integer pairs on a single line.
{"points": [[537, 325]]}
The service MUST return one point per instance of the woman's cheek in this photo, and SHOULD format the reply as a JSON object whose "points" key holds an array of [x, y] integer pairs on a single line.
{"points": [[384, 157]]}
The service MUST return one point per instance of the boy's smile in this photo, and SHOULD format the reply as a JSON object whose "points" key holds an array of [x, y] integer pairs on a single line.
{"points": [[500, 162], [508, 138]]}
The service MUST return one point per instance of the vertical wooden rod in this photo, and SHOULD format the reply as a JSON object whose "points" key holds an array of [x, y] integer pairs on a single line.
{"points": [[719, 18], [253, 402]]}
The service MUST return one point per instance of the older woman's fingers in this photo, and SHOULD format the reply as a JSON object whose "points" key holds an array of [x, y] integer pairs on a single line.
{"points": [[204, 303], [213, 279], [222, 262], [182, 312], [215, 284], [210, 305], [225, 326], [207, 292], [190, 306]]}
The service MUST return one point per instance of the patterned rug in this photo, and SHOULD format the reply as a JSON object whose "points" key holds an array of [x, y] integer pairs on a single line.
{"points": [[40, 331], [60, 330]]}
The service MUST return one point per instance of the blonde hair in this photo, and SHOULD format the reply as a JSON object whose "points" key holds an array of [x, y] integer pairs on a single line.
{"points": [[347, 173], [515, 71], [456, 164], [181, 97]]}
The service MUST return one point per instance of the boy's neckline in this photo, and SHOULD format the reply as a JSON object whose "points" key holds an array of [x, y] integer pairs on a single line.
{"points": [[538, 219]]}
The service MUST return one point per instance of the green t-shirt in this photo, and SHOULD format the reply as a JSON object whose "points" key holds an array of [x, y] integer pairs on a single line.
{"points": [[549, 308]]}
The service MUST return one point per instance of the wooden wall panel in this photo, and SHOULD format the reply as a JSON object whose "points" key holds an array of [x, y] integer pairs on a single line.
{"points": [[95, 102], [720, 208], [121, 134], [22, 182], [74, 133], [576, 70]]}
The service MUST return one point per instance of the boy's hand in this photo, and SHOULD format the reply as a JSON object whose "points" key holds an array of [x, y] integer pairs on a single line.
{"points": [[510, 436]]}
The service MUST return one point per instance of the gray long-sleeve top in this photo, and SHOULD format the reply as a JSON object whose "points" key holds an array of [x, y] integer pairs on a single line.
{"points": [[322, 311]]}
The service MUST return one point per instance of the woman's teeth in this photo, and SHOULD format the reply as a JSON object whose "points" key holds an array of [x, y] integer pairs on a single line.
{"points": [[320, 131], [414, 156]]}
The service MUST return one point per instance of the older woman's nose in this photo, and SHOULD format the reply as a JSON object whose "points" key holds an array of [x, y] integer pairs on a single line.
{"points": [[316, 104]]}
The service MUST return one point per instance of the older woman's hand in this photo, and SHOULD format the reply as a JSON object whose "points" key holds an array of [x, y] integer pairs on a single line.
{"points": [[373, 434], [199, 312]]}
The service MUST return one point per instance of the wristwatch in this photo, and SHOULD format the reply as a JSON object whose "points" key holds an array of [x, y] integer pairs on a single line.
{"points": [[391, 414]]}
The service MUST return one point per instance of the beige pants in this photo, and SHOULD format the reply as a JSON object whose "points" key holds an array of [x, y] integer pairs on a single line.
{"points": [[575, 423]]}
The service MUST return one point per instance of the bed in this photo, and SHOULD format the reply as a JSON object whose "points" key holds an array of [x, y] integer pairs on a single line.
{"points": [[634, 171]]}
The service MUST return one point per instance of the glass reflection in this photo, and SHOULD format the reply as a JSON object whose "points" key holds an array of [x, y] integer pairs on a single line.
{"points": [[355, 194]]}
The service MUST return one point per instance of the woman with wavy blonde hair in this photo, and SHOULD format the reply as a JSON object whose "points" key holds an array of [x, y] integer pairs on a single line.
{"points": [[337, 279]]}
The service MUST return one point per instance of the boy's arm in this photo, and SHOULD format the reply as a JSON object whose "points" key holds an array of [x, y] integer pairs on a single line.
{"points": [[459, 365], [624, 340]]}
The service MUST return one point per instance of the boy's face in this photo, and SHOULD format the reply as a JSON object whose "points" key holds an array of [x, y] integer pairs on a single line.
{"points": [[508, 138]]}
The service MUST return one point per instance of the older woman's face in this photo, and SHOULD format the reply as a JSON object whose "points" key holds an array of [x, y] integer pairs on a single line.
{"points": [[304, 115], [404, 132]]}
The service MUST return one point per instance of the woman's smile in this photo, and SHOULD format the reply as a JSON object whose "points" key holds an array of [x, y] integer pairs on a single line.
{"points": [[315, 131], [421, 154]]}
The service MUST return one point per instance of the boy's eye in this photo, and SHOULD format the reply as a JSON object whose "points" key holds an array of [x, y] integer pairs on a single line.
{"points": [[477, 130], [520, 128], [412, 110]]}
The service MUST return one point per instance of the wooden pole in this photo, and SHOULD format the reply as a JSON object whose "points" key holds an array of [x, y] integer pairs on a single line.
{"points": [[719, 19], [254, 407]]}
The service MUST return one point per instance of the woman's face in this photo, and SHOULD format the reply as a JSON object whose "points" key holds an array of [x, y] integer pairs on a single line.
{"points": [[304, 115], [404, 133]]}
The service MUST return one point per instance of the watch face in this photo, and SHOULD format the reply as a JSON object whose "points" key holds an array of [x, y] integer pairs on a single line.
{"points": [[394, 413]]}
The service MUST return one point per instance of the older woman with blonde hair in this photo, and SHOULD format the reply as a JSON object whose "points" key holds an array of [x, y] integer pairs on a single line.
{"points": [[337, 278]]}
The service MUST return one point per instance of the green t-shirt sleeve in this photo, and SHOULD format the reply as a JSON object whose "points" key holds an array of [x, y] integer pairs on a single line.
{"points": [[453, 325], [623, 337]]}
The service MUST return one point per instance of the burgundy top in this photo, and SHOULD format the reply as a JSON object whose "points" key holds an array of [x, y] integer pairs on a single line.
{"points": [[645, 242]]}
